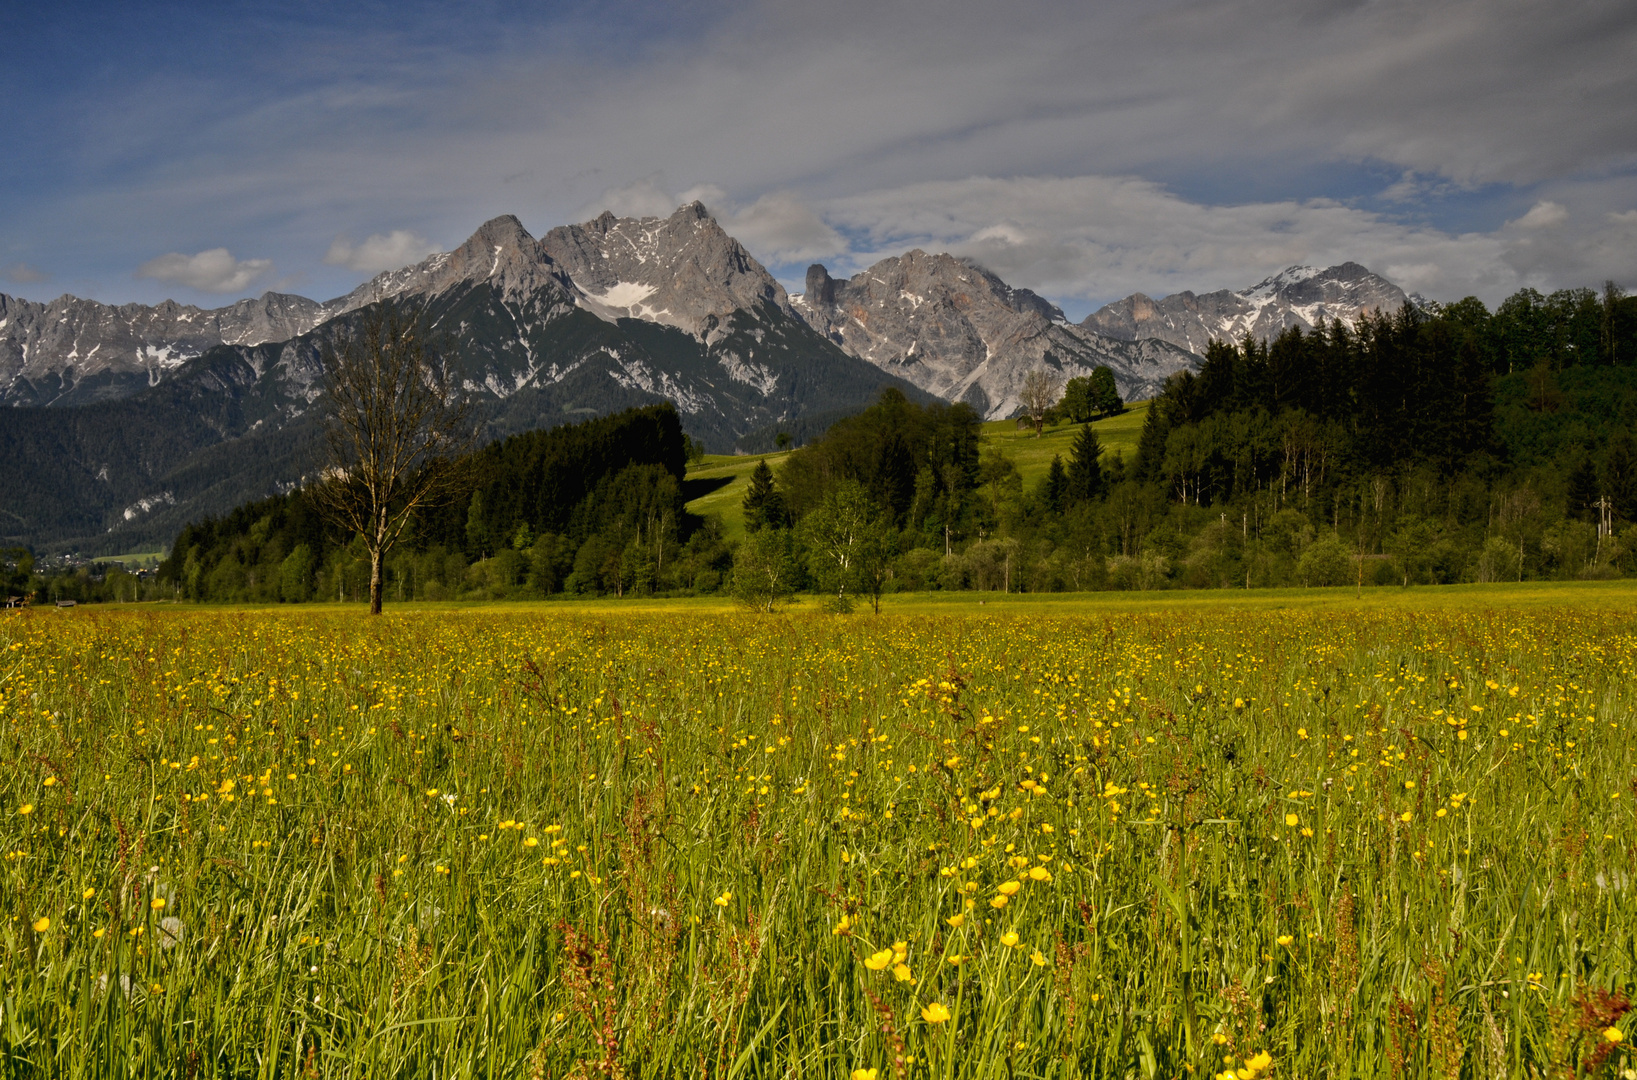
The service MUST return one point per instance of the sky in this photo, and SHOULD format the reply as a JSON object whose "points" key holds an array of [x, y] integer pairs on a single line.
{"points": [[1086, 150]]}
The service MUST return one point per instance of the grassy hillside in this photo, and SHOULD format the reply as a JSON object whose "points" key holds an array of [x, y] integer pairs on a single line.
{"points": [[1033, 457], [732, 473]]}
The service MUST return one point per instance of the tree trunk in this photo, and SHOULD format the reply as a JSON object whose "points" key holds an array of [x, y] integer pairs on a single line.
{"points": [[375, 581]]}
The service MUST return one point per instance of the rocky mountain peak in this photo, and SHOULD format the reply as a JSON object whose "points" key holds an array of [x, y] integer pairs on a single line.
{"points": [[1296, 296], [72, 350], [821, 287], [954, 328], [504, 231], [682, 270]]}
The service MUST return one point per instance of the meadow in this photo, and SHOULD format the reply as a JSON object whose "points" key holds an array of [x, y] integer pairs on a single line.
{"points": [[1031, 454], [1291, 836]]}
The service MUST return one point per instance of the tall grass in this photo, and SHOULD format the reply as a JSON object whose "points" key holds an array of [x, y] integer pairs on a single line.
{"points": [[510, 844]]}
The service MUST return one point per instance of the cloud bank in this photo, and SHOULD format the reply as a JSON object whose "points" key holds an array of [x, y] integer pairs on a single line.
{"points": [[1125, 145], [22, 274], [379, 252], [213, 271]]}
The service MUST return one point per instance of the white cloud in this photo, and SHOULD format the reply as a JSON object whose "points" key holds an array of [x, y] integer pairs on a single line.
{"points": [[640, 198], [378, 252], [1543, 215], [22, 274], [215, 271], [1095, 238], [780, 228], [1254, 110]]}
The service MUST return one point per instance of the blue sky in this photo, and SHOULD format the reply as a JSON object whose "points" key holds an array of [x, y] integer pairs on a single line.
{"points": [[208, 152]]}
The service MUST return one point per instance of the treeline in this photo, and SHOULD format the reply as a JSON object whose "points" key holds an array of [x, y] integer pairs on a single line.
{"points": [[1439, 446], [595, 507], [1417, 447]]}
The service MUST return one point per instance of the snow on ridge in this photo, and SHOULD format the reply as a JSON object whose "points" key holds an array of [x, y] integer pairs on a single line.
{"points": [[1263, 291], [623, 294]]}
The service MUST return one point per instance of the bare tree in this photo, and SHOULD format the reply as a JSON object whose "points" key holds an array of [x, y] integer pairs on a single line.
{"points": [[1039, 394], [394, 429]]}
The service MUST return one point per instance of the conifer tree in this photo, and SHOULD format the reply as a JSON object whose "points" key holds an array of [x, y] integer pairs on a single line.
{"points": [[1056, 483], [1085, 474], [764, 506]]}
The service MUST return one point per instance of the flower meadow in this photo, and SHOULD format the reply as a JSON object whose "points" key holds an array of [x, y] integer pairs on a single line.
{"points": [[530, 843]]}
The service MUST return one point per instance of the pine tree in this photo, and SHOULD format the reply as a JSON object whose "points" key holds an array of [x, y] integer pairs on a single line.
{"points": [[1057, 481], [763, 504], [1085, 474]]}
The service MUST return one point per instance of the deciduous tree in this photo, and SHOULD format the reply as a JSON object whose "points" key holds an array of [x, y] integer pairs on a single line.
{"points": [[1038, 395], [395, 424]]}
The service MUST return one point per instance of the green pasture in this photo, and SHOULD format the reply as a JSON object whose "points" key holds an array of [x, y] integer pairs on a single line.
{"points": [[1033, 455], [729, 475]]}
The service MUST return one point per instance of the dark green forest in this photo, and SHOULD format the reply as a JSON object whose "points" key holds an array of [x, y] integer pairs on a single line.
{"points": [[594, 507], [1419, 447]]}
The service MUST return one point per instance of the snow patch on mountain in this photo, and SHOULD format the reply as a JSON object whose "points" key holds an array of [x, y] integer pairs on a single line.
{"points": [[1300, 296], [147, 506]]}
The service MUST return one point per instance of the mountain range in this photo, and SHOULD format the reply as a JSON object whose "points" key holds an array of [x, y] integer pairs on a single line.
{"points": [[1299, 296], [127, 421]]}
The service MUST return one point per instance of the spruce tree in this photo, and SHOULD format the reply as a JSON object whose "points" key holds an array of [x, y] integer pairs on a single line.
{"points": [[763, 504], [1085, 474], [1057, 481]]}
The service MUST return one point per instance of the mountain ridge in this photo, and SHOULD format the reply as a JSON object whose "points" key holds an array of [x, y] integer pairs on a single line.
{"points": [[955, 329], [531, 345], [217, 406], [1296, 296]]}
